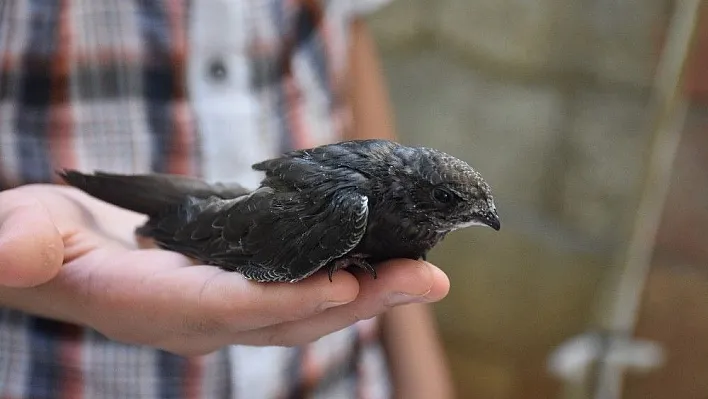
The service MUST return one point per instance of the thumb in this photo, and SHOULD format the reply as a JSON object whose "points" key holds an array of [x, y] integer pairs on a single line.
{"points": [[31, 248]]}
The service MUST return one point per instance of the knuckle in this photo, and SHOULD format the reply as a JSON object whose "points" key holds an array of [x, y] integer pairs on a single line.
{"points": [[356, 317], [363, 316], [297, 342], [202, 325], [282, 337], [123, 335], [274, 337], [305, 310]]}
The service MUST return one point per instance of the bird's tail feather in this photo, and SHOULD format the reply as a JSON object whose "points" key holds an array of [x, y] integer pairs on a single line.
{"points": [[146, 194]]}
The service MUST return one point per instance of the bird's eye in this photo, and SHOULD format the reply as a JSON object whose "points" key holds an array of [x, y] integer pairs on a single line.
{"points": [[441, 195]]}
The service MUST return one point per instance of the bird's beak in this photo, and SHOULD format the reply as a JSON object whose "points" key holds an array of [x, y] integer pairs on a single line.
{"points": [[491, 219]]}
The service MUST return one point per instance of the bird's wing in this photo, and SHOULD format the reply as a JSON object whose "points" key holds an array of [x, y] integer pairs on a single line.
{"points": [[149, 194], [268, 235]]}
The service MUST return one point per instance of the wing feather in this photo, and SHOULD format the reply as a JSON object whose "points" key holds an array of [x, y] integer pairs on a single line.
{"points": [[267, 236]]}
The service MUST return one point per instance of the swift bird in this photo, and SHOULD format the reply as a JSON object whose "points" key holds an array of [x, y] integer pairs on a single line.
{"points": [[353, 203]]}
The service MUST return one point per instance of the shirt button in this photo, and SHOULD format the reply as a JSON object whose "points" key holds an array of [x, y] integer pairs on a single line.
{"points": [[217, 70]]}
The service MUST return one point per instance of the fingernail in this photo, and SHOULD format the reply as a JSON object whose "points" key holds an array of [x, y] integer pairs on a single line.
{"points": [[400, 298]]}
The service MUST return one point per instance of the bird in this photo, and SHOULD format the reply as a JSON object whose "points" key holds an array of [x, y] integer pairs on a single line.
{"points": [[353, 203]]}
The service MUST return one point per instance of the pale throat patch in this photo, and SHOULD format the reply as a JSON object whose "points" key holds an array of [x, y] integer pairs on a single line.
{"points": [[468, 224]]}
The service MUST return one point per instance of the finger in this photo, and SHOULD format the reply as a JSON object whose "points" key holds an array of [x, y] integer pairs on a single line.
{"points": [[399, 282], [209, 300], [103, 219], [31, 247], [246, 305]]}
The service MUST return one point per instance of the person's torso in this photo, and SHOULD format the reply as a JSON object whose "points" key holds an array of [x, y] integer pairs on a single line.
{"points": [[203, 88]]}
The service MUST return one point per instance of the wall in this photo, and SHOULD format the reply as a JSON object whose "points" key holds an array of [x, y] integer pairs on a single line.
{"points": [[547, 99]]}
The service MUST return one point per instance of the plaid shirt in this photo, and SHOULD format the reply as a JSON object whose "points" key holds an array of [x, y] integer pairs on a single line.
{"points": [[202, 88]]}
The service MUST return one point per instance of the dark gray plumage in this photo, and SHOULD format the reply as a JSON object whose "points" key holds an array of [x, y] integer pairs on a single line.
{"points": [[351, 203]]}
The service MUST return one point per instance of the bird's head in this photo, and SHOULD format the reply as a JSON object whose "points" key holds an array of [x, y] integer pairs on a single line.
{"points": [[449, 194]]}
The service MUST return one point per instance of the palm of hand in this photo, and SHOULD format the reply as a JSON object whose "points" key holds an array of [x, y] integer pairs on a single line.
{"points": [[74, 258]]}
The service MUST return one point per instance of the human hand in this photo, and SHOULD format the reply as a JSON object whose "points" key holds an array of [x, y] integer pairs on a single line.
{"points": [[67, 256]]}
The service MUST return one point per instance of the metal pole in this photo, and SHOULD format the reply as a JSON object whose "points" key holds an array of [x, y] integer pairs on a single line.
{"points": [[670, 110], [602, 357]]}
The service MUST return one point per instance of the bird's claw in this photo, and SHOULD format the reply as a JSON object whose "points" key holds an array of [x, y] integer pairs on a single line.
{"points": [[352, 261]]}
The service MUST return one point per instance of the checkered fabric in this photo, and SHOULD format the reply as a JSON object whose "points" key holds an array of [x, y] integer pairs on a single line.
{"points": [[203, 88]]}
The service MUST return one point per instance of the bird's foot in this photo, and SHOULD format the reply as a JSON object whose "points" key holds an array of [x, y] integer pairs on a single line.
{"points": [[351, 261]]}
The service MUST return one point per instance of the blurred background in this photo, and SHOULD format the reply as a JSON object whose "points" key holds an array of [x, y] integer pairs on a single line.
{"points": [[555, 103]]}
